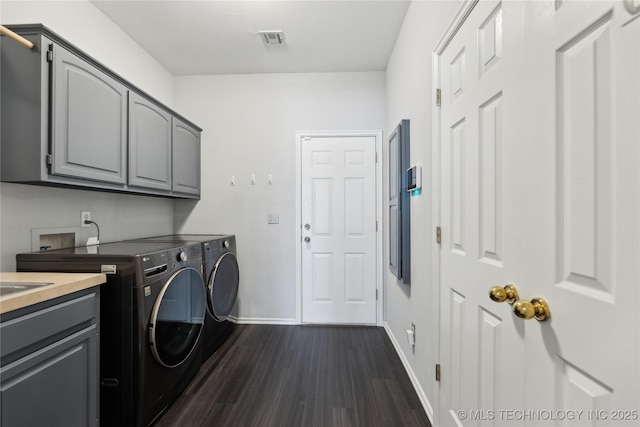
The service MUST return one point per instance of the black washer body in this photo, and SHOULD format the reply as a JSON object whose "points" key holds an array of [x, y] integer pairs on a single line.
{"points": [[136, 385]]}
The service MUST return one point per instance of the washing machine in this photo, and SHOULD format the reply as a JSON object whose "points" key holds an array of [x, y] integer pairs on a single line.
{"points": [[152, 312], [222, 277]]}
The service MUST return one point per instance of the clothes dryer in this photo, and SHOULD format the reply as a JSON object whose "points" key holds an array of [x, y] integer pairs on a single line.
{"points": [[152, 313], [222, 278]]}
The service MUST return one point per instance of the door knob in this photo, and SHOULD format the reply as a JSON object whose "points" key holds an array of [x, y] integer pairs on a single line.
{"points": [[632, 8], [499, 294], [307, 239], [538, 308]]}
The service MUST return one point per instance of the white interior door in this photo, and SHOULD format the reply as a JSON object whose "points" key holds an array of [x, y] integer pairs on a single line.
{"points": [[482, 351], [540, 188], [338, 229], [582, 198]]}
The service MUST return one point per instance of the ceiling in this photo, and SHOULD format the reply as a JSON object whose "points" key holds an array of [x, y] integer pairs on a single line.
{"points": [[222, 37]]}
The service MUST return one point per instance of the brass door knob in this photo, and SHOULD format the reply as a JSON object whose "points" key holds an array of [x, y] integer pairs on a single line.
{"points": [[537, 308], [499, 294]]}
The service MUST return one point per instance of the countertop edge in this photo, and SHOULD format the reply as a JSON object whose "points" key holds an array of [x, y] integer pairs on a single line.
{"points": [[62, 284]]}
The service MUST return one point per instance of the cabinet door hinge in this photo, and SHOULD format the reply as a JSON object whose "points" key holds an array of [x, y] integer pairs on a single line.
{"points": [[439, 235], [49, 159], [438, 97], [49, 56], [437, 372]]}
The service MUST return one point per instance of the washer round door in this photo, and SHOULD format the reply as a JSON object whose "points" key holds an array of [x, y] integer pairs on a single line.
{"points": [[222, 289], [178, 317]]}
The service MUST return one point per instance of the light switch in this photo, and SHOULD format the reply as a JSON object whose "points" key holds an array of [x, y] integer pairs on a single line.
{"points": [[273, 218]]}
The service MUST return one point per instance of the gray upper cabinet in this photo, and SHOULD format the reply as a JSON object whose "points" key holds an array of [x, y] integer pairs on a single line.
{"points": [[186, 158], [89, 119], [67, 120], [149, 144]]}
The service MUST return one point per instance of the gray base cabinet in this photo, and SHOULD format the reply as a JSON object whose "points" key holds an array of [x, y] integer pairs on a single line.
{"points": [[50, 363], [69, 121]]}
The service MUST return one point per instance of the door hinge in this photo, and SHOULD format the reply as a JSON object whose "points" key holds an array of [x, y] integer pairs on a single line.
{"points": [[49, 56], [439, 235], [376, 295], [438, 97], [437, 372], [376, 225], [49, 159]]}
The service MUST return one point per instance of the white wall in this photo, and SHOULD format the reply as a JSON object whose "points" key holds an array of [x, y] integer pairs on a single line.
{"points": [[410, 95], [86, 27], [23, 207], [249, 126], [120, 216]]}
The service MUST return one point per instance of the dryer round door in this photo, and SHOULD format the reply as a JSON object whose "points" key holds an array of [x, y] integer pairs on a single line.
{"points": [[178, 317], [222, 289]]}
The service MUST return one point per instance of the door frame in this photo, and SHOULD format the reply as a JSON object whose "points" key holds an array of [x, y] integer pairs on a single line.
{"points": [[436, 162], [377, 135]]}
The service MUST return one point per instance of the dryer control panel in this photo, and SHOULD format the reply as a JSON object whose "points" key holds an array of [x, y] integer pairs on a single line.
{"points": [[183, 256]]}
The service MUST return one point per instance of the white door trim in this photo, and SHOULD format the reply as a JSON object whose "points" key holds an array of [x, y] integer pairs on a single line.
{"points": [[377, 134], [452, 29]]}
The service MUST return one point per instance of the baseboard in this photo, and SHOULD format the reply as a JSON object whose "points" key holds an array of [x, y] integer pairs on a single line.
{"points": [[412, 376], [261, 321]]}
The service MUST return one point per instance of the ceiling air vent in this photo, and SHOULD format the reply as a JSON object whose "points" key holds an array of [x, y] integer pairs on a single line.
{"points": [[272, 38]]}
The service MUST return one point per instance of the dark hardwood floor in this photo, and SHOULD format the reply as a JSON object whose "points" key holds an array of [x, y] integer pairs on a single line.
{"points": [[281, 376]]}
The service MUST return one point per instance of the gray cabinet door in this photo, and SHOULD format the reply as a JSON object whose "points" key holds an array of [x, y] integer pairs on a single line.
{"points": [[89, 120], [55, 386], [186, 158], [49, 362], [149, 144]]}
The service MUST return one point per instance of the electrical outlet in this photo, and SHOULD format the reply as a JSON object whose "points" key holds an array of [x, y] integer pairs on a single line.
{"points": [[411, 335], [85, 216]]}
